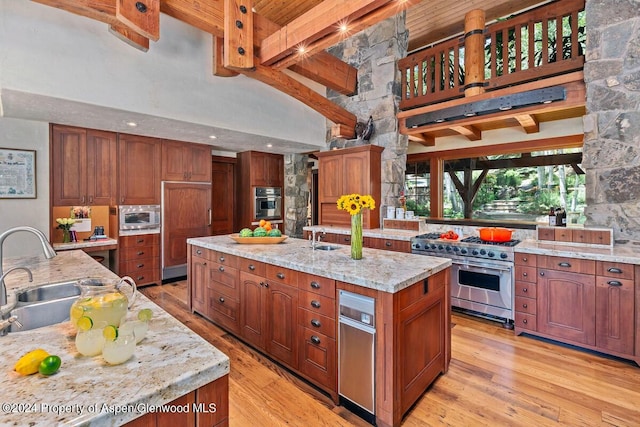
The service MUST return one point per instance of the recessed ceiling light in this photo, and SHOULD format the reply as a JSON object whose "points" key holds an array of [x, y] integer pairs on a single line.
{"points": [[132, 124], [212, 137], [269, 145]]}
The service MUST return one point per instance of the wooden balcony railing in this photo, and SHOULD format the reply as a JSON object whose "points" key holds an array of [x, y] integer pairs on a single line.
{"points": [[543, 42]]}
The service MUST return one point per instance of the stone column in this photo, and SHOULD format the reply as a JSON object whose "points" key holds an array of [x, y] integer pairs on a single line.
{"points": [[375, 52], [611, 153], [296, 197]]}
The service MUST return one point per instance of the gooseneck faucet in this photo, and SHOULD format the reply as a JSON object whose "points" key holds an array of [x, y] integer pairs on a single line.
{"points": [[6, 320]]}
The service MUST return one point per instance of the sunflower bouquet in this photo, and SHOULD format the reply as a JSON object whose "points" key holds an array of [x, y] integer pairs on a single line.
{"points": [[354, 203]]}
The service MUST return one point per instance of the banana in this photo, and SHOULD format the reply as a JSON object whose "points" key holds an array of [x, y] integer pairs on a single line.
{"points": [[30, 362]]}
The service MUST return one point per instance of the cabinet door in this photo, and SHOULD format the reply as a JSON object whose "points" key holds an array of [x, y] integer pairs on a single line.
{"points": [[356, 173], [222, 197], [330, 179], [282, 321], [274, 167], [199, 162], [101, 171], [174, 160], [252, 309], [259, 170], [567, 305], [139, 170], [69, 166], [615, 314], [199, 282]]}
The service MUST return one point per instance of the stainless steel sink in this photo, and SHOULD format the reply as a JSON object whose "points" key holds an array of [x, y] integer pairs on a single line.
{"points": [[327, 247], [52, 291], [39, 314]]}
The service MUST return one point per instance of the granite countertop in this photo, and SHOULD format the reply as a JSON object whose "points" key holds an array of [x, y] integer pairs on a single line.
{"points": [[628, 252], [170, 362], [383, 233], [90, 244], [378, 269]]}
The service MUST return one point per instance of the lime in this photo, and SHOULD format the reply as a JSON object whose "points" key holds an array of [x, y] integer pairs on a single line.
{"points": [[50, 365], [85, 323], [110, 333], [145, 314]]}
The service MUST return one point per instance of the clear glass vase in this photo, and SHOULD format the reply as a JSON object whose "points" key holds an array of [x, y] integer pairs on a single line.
{"points": [[356, 236]]}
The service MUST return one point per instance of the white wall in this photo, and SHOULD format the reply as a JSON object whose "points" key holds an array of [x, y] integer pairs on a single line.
{"points": [[50, 52], [26, 135]]}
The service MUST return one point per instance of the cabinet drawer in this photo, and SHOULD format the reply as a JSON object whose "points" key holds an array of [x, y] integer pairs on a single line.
{"points": [[573, 265], [224, 310], [622, 284], [140, 264], [526, 321], [140, 240], [525, 274], [317, 322], [129, 254], [202, 252], [225, 259], [526, 305], [142, 277], [526, 289], [617, 270], [317, 358], [546, 233], [528, 260], [317, 304], [317, 285], [281, 275], [563, 234], [226, 277], [251, 266], [598, 237]]}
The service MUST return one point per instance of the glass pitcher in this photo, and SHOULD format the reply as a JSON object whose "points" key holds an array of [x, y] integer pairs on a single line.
{"points": [[104, 301]]}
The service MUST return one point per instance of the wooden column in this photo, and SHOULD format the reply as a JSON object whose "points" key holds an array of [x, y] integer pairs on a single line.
{"points": [[474, 22], [238, 34], [436, 170]]}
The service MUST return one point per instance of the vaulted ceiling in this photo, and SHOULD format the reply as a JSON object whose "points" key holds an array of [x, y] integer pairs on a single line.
{"points": [[261, 38]]}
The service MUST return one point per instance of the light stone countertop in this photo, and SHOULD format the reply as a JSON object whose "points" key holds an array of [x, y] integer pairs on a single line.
{"points": [[383, 233], [378, 269], [170, 362], [626, 253], [90, 244]]}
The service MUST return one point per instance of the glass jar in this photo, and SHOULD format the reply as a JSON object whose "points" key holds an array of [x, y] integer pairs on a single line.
{"points": [[104, 301]]}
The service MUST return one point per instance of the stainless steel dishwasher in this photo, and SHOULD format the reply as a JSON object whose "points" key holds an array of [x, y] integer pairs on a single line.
{"points": [[356, 349]]}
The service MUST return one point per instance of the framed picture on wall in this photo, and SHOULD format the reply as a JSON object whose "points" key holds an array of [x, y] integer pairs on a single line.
{"points": [[17, 174]]}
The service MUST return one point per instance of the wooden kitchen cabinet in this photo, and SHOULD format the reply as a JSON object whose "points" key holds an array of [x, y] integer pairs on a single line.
{"points": [[348, 171], [615, 307], [199, 277], [185, 161], [223, 292], [139, 160], [388, 244], [525, 292], [83, 166], [267, 169], [139, 258]]}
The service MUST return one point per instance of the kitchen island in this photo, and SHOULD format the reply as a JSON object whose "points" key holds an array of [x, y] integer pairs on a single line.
{"points": [[172, 364], [283, 299]]}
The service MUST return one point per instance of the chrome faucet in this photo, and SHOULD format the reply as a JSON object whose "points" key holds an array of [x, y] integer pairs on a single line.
{"points": [[46, 246], [313, 237], [5, 319]]}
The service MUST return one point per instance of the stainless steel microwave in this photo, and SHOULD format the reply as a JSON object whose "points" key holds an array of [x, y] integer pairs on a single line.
{"points": [[139, 217], [268, 203]]}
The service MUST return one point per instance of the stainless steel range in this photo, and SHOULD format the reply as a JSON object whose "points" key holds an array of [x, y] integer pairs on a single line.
{"points": [[482, 273]]}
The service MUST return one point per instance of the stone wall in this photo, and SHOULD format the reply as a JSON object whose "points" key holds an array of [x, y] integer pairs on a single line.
{"points": [[611, 154], [374, 52], [296, 189]]}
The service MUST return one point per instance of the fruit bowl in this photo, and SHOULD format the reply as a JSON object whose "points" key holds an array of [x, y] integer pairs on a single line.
{"points": [[258, 240]]}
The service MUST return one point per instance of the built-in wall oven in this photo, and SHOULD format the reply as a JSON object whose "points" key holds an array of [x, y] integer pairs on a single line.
{"points": [[268, 203], [482, 273]]}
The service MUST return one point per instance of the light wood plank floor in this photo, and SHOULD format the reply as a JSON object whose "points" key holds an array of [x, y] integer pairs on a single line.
{"points": [[495, 379]]}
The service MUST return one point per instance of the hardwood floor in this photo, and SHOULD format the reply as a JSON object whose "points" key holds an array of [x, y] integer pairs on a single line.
{"points": [[495, 379]]}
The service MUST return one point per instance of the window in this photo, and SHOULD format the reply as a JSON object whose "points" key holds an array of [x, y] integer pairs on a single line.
{"points": [[513, 187]]}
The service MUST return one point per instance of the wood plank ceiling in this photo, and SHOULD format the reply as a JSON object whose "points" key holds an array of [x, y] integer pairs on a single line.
{"points": [[260, 38]]}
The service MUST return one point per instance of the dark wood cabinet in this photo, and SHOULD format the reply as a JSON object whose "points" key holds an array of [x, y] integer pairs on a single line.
{"points": [[185, 161], [388, 244], [83, 166], [252, 310], [615, 307], [223, 292], [223, 193], [139, 258], [267, 169], [348, 171], [199, 277], [139, 160]]}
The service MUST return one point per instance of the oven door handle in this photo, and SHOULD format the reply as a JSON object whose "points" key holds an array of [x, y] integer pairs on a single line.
{"points": [[468, 265]]}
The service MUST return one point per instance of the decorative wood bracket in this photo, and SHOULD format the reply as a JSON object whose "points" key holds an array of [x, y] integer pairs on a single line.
{"points": [[130, 37], [238, 34], [218, 59], [142, 16]]}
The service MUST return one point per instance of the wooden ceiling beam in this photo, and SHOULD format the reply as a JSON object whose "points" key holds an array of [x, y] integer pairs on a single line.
{"points": [[100, 10], [471, 132], [528, 122], [313, 25], [238, 34], [207, 16], [311, 98]]}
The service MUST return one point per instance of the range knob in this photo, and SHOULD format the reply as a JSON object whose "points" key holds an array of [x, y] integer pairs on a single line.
{"points": [[463, 251], [448, 248], [440, 247], [416, 245], [433, 246], [491, 254], [475, 252], [456, 249], [503, 255], [483, 252]]}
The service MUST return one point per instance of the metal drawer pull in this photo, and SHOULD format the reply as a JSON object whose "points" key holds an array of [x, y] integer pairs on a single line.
{"points": [[221, 259], [199, 252], [525, 321], [614, 270], [525, 290], [139, 278], [221, 268], [221, 300], [140, 265], [315, 339], [140, 241], [316, 323], [266, 285], [204, 263], [141, 253], [525, 305], [524, 259], [252, 267], [280, 275], [525, 274], [614, 283], [542, 273], [315, 304], [564, 264], [315, 285], [388, 244]]}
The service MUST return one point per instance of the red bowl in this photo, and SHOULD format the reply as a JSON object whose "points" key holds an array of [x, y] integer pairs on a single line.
{"points": [[495, 234]]}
